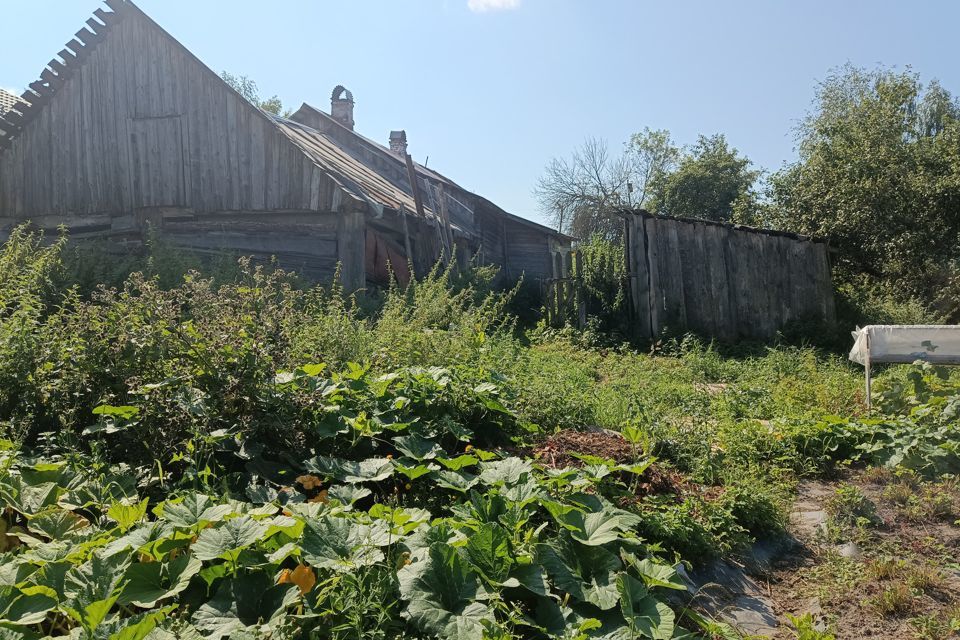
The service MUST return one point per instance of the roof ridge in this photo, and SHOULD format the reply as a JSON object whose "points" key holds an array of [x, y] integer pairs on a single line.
{"points": [[60, 69]]}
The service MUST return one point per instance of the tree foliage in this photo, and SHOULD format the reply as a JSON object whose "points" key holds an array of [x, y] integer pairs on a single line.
{"points": [[653, 155], [249, 90], [879, 175], [708, 182], [582, 194]]}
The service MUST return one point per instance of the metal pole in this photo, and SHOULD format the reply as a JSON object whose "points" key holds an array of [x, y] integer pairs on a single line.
{"points": [[867, 370]]}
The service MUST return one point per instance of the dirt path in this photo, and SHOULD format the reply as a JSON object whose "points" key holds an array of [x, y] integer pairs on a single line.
{"points": [[880, 558]]}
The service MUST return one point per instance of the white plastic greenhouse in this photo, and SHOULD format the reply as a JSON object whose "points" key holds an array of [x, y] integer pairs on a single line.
{"points": [[937, 344]]}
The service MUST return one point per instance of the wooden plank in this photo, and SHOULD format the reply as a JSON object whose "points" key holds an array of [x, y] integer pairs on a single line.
{"points": [[77, 48], [351, 246], [58, 67], [107, 17], [725, 319], [445, 222], [97, 27], [68, 57], [675, 307], [639, 275], [9, 127], [406, 234], [87, 37], [656, 294], [414, 185]]}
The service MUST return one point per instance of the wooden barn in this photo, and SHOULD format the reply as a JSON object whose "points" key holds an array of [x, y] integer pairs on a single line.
{"points": [[126, 130]]}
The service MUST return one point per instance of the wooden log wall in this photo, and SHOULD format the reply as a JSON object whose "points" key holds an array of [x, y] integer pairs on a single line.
{"points": [[723, 281]]}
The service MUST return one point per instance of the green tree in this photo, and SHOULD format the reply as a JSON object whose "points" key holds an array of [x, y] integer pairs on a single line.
{"points": [[879, 176], [711, 181], [249, 90], [652, 155]]}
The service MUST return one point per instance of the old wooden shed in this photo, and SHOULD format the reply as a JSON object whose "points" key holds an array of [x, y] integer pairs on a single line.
{"points": [[127, 129]]}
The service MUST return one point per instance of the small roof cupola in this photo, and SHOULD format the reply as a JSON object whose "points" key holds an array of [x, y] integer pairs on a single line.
{"points": [[398, 143], [341, 106]]}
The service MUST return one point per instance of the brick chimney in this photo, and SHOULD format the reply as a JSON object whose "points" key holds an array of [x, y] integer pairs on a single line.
{"points": [[398, 143], [341, 106]]}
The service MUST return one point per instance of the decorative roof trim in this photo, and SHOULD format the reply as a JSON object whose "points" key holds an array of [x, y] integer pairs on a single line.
{"points": [[60, 69]]}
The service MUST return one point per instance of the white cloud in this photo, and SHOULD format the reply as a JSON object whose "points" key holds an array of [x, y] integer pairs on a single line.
{"points": [[482, 6]]}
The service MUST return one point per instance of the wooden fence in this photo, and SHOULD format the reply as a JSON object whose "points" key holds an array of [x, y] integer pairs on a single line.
{"points": [[721, 280]]}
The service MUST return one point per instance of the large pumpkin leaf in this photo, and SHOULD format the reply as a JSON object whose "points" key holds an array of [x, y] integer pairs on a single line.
{"points": [[228, 539], [488, 549], [588, 573], [598, 527], [417, 447], [146, 583], [414, 472], [92, 588], [456, 480], [339, 544], [25, 606], [242, 602], [99, 492], [145, 538], [347, 494], [135, 627], [646, 616], [56, 523], [532, 578], [13, 570], [654, 574], [127, 515], [458, 463], [504, 472], [194, 511], [561, 621], [26, 498], [369, 470], [445, 596]]}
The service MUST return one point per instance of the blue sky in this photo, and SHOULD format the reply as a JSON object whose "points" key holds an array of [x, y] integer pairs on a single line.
{"points": [[491, 90]]}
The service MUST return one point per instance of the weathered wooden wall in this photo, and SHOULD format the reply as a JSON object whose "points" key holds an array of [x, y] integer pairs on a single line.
{"points": [[142, 123], [139, 129], [518, 248], [723, 281]]}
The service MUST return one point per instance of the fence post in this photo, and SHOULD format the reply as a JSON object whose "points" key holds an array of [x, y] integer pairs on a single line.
{"points": [[578, 284]]}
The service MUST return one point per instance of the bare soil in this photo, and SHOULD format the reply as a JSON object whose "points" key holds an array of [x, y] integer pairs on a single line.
{"points": [[563, 448], [896, 578]]}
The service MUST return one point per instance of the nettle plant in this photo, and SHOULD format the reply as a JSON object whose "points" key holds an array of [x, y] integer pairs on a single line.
{"points": [[390, 522]]}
